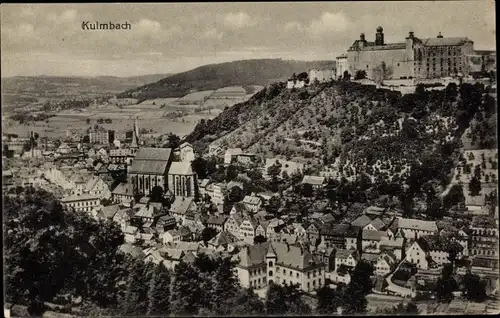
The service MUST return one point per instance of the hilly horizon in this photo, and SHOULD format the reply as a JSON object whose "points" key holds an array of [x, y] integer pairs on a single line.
{"points": [[215, 76]]}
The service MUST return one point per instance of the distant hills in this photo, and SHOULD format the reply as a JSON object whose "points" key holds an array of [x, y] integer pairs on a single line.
{"points": [[34, 84], [214, 76]]}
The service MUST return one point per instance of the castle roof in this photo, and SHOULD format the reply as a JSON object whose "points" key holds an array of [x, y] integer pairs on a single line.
{"points": [[452, 41]]}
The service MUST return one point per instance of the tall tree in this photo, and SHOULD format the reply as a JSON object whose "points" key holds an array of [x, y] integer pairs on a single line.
{"points": [[446, 284], [135, 302], [359, 286], [475, 288], [475, 186], [186, 291], [328, 300], [159, 292]]}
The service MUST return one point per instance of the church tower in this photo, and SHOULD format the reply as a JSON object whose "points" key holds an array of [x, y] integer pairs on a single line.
{"points": [[379, 36], [135, 138]]}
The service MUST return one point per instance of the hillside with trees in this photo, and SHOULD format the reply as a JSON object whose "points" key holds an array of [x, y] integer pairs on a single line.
{"points": [[401, 146], [215, 76]]}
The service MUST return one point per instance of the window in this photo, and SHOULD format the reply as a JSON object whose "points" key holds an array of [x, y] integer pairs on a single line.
{"points": [[270, 273], [298, 275]]}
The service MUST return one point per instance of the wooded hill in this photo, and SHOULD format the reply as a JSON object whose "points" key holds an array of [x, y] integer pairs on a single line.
{"points": [[215, 76]]}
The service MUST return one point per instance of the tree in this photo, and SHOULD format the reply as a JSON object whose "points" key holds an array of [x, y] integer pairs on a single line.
{"points": [[88, 121], [231, 173], [156, 194], [359, 286], [346, 76], [186, 291], [208, 233], [360, 74], [135, 301], [199, 166], [381, 72], [225, 287], [159, 292], [446, 284], [475, 288], [475, 186], [246, 303], [328, 300], [274, 171], [259, 239], [283, 300], [173, 141], [307, 190], [454, 196]]}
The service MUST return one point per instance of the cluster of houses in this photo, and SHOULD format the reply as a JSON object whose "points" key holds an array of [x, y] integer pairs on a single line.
{"points": [[316, 250]]}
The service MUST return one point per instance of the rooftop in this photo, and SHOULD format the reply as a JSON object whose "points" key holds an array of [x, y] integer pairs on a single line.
{"points": [[414, 224], [83, 197], [181, 168]]}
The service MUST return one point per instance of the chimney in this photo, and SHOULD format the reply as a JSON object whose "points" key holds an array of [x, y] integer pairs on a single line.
{"points": [[439, 36], [410, 35]]}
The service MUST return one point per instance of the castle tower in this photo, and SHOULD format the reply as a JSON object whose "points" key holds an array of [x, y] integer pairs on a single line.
{"points": [[379, 36], [135, 138]]}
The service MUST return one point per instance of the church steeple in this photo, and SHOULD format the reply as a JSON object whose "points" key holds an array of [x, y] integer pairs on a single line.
{"points": [[135, 135]]}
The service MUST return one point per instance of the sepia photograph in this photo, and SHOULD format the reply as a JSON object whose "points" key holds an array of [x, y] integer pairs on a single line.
{"points": [[259, 159]]}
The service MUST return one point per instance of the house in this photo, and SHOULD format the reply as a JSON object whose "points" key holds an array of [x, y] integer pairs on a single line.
{"points": [[345, 257], [362, 221], [484, 236], [371, 241], [252, 203], [375, 225], [231, 155], [202, 185], [385, 264], [122, 217], [152, 255], [313, 231], [124, 192], [416, 255], [110, 211], [315, 181], [247, 229], [78, 183], [233, 224], [413, 229], [219, 190], [341, 235], [97, 186], [217, 222], [251, 268], [438, 249], [239, 207], [170, 236], [289, 264], [327, 218], [180, 207], [165, 223], [393, 245], [145, 215], [186, 234], [172, 256], [80, 203], [246, 159], [223, 239], [186, 152], [130, 234], [63, 149]]}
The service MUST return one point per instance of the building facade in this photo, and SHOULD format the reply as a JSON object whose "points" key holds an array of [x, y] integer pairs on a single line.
{"points": [[420, 58]]}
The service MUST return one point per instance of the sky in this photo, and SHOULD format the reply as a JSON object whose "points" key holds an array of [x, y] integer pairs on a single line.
{"points": [[47, 39]]}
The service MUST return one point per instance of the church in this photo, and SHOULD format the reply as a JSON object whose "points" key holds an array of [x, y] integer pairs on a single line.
{"points": [[156, 167]]}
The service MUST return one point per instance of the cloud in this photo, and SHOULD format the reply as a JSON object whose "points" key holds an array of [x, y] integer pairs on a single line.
{"points": [[329, 22], [212, 33], [27, 12], [146, 25], [293, 26], [239, 20]]}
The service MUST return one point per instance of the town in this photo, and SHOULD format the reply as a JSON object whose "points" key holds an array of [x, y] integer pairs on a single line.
{"points": [[368, 188]]}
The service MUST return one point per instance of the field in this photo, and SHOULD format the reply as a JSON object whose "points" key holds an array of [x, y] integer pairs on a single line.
{"points": [[122, 120]]}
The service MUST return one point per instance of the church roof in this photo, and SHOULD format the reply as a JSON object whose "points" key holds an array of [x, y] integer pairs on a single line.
{"points": [[151, 161], [181, 168]]}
